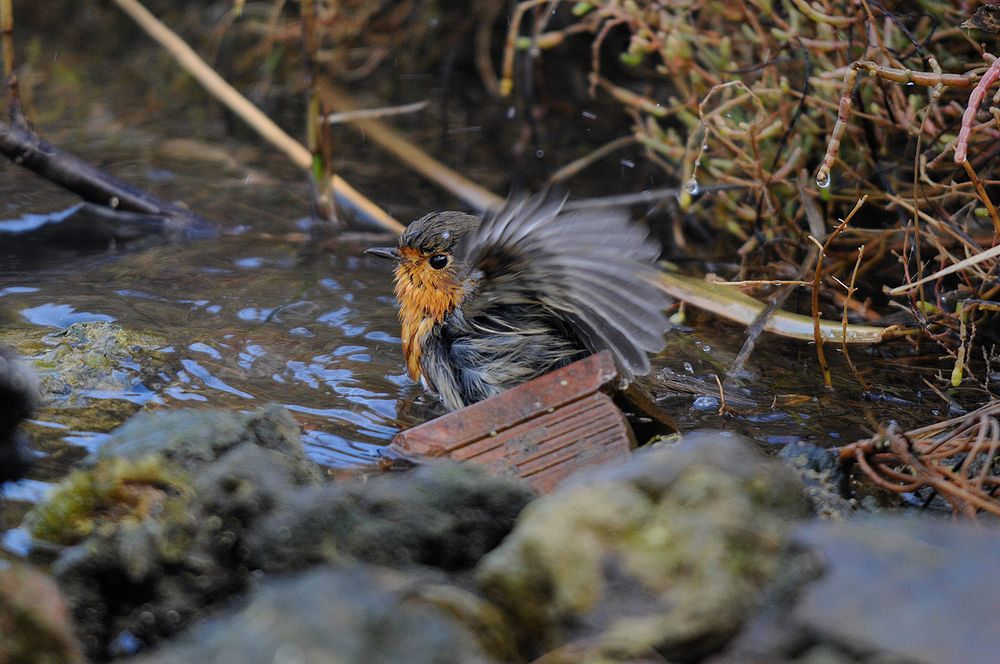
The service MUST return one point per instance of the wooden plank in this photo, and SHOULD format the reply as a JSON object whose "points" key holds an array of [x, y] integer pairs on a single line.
{"points": [[541, 431]]}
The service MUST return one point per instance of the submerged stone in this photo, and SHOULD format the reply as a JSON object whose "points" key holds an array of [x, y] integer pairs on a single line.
{"points": [[96, 356], [669, 550], [821, 474]]}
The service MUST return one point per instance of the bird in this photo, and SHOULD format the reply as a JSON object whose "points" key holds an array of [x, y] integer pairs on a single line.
{"points": [[489, 303]]}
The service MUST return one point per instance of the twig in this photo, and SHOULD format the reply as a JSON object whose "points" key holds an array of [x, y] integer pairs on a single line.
{"points": [[23, 146], [577, 165], [847, 301], [975, 99], [817, 334], [241, 106], [319, 137], [981, 190], [740, 308], [988, 254]]}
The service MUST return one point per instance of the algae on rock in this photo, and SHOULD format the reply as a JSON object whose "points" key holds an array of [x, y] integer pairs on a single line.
{"points": [[668, 550], [115, 491]]}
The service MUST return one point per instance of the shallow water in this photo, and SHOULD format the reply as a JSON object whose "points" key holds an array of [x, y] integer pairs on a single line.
{"points": [[262, 314]]}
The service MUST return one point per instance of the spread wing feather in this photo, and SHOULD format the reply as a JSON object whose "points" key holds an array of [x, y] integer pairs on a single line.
{"points": [[591, 269]]}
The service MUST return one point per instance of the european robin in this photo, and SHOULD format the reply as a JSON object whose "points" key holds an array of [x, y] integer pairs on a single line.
{"points": [[488, 304]]}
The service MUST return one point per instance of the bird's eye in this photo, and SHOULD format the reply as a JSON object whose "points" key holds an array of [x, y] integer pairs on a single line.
{"points": [[438, 261]]}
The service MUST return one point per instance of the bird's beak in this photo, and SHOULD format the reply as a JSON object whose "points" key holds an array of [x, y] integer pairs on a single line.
{"points": [[392, 253]]}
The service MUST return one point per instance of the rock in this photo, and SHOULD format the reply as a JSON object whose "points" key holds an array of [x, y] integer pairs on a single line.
{"points": [[181, 511], [97, 357], [886, 589], [821, 474], [356, 614], [444, 514], [157, 521], [116, 491], [18, 397], [193, 438], [93, 375], [669, 550], [35, 627]]}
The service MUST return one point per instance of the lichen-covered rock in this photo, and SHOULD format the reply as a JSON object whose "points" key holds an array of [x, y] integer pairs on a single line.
{"points": [[193, 438], [444, 514], [35, 626], [669, 550], [116, 491], [137, 580], [352, 615]]}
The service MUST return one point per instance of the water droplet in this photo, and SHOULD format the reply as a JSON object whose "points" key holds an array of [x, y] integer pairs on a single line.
{"points": [[628, 163], [823, 179], [539, 153], [511, 113], [688, 367], [692, 187], [910, 84], [589, 115]]}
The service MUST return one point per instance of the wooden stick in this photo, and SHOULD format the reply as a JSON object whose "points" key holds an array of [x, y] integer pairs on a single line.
{"points": [[24, 147], [263, 125]]}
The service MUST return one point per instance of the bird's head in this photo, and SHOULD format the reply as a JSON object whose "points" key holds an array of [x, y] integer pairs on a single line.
{"points": [[430, 282]]}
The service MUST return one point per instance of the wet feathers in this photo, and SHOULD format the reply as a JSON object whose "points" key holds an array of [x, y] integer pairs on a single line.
{"points": [[486, 305]]}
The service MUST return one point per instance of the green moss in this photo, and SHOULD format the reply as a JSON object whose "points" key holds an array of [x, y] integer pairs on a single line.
{"points": [[115, 491]]}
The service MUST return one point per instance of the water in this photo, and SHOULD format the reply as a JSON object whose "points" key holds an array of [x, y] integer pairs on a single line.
{"points": [[263, 314]]}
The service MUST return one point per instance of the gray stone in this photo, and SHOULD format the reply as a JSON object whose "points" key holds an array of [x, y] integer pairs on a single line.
{"points": [[442, 514], [881, 590], [920, 589], [193, 438], [356, 615], [669, 550]]}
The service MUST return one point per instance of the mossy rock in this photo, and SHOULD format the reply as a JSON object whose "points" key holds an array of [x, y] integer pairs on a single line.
{"points": [[670, 550], [116, 491]]}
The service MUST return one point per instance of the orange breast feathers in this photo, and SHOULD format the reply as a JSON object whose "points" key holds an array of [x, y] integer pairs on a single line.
{"points": [[425, 297]]}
